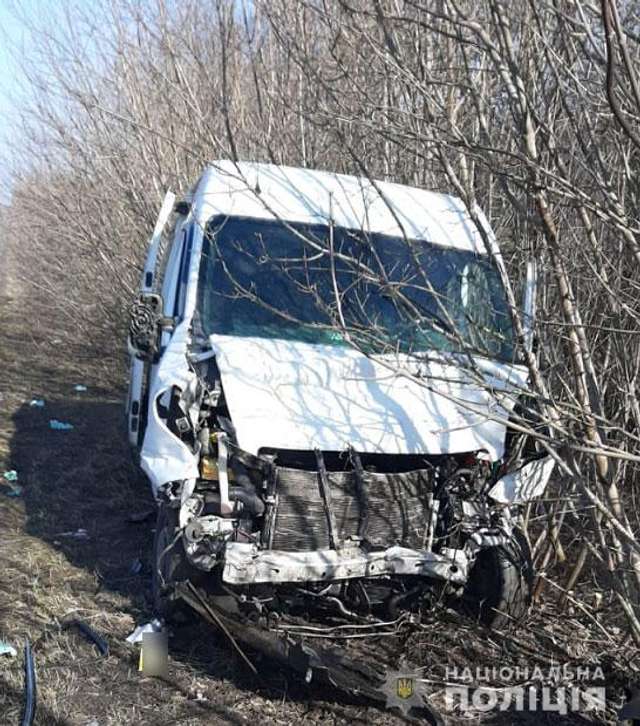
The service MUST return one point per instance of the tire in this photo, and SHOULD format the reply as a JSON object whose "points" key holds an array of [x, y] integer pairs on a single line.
{"points": [[169, 564], [499, 588]]}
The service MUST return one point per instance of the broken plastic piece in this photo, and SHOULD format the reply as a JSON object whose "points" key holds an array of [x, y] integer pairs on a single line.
{"points": [[525, 484], [6, 649], [79, 387], [29, 711], [75, 534], [136, 566], [36, 403], [59, 425], [223, 478], [154, 626], [89, 633], [11, 477]]}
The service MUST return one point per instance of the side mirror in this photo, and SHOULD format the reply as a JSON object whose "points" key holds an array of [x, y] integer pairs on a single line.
{"points": [[146, 324], [529, 302]]}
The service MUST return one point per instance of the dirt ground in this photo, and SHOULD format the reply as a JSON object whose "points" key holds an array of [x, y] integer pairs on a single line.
{"points": [[84, 479]]}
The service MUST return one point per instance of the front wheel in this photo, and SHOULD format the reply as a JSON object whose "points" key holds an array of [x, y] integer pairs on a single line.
{"points": [[169, 563], [500, 584]]}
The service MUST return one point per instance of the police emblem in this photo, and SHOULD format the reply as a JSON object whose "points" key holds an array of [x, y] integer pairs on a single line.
{"points": [[404, 687], [403, 690]]}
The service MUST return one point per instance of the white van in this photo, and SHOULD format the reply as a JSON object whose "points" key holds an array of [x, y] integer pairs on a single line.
{"points": [[323, 368]]}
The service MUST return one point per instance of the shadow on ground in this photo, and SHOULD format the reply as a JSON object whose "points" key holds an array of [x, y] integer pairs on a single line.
{"points": [[83, 480]]}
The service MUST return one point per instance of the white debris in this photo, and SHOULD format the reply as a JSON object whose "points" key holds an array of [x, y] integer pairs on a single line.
{"points": [[155, 626], [75, 534], [6, 649]]}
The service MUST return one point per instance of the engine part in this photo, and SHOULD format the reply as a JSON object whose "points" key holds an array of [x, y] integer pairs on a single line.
{"points": [[223, 478], [397, 506], [209, 526]]}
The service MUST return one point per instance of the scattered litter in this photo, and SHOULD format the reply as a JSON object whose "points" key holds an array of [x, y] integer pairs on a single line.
{"points": [[77, 534], [89, 633], [59, 425], [136, 566], [6, 649], [79, 387], [155, 626], [29, 711], [138, 517], [36, 403], [11, 477]]}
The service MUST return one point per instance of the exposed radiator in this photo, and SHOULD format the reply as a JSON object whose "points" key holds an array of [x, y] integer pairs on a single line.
{"points": [[399, 508]]}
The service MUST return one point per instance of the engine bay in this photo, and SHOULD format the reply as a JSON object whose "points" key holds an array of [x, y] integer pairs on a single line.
{"points": [[365, 537]]}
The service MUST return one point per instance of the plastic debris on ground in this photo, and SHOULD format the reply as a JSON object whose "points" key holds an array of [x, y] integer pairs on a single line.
{"points": [[89, 633], [36, 403], [75, 534], [6, 649], [155, 626], [60, 425], [136, 566], [11, 477], [79, 387]]}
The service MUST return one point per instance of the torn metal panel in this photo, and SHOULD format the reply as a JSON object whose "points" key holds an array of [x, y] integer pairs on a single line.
{"points": [[294, 395], [524, 484], [164, 457]]}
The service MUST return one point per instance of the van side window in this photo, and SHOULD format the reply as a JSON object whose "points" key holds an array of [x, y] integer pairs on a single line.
{"points": [[183, 274]]}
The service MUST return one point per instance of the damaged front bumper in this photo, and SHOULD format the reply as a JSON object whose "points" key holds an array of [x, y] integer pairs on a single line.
{"points": [[245, 564]]}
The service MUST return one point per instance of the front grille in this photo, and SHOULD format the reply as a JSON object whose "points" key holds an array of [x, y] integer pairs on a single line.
{"points": [[399, 507]]}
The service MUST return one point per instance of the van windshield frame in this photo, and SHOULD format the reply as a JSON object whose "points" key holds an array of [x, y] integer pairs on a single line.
{"points": [[330, 285]]}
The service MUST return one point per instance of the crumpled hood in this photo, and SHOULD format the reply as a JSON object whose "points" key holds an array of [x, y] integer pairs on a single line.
{"points": [[293, 395]]}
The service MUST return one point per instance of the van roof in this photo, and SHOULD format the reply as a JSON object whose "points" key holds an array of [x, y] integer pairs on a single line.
{"points": [[267, 191]]}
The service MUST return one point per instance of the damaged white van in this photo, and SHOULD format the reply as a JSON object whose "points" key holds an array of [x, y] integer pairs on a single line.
{"points": [[323, 370]]}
